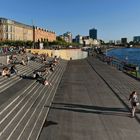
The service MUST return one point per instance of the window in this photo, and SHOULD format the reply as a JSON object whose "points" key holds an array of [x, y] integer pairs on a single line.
{"points": [[5, 36], [9, 28], [5, 28], [9, 36], [13, 37]]}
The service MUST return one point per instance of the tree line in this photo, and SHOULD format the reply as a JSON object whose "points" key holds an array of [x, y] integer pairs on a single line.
{"points": [[30, 44]]}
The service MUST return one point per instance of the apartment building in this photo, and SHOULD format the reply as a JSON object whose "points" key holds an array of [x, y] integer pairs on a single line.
{"points": [[13, 30], [67, 37], [93, 33]]}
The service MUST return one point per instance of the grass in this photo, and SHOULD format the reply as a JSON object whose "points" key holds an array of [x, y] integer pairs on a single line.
{"points": [[134, 73]]}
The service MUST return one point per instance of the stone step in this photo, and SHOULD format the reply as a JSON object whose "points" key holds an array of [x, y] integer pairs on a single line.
{"points": [[34, 134], [36, 115], [8, 82], [21, 69], [31, 103], [14, 98], [19, 95]]}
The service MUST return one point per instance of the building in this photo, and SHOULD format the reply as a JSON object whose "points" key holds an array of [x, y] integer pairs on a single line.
{"points": [[67, 37], [86, 40], [112, 42], [79, 39], [40, 35], [136, 39], [13, 30], [93, 33], [118, 42], [123, 41]]}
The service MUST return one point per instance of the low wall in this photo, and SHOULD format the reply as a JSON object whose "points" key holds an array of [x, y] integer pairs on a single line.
{"points": [[64, 54], [4, 59]]}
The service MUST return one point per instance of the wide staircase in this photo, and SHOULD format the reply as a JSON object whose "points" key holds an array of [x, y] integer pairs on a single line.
{"points": [[5, 83], [25, 103]]}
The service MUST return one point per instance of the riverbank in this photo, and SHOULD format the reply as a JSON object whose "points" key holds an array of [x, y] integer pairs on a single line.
{"points": [[129, 55], [92, 104]]}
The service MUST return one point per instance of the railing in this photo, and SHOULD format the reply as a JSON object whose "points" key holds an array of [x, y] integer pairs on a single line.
{"points": [[130, 69]]}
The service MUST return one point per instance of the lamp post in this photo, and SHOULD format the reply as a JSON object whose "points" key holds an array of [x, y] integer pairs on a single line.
{"points": [[106, 51], [33, 28], [33, 37]]}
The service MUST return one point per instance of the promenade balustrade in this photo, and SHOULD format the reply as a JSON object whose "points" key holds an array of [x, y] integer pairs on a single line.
{"points": [[130, 69]]}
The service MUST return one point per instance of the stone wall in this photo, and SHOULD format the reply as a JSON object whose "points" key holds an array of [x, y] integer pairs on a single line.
{"points": [[66, 54], [4, 59]]}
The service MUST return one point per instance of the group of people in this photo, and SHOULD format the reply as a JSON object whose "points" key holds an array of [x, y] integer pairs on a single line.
{"points": [[38, 74], [14, 60], [39, 77]]}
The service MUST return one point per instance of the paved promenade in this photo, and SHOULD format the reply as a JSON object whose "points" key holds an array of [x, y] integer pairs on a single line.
{"points": [[91, 103]]}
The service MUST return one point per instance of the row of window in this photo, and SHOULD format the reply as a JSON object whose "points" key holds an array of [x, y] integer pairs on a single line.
{"points": [[8, 28], [8, 36]]}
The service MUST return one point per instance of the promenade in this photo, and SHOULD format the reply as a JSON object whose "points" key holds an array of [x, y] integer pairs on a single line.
{"points": [[91, 103]]}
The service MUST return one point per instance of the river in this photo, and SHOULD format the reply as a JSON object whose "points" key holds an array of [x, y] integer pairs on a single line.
{"points": [[130, 55]]}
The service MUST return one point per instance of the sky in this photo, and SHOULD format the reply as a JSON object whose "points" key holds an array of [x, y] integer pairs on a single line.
{"points": [[113, 19]]}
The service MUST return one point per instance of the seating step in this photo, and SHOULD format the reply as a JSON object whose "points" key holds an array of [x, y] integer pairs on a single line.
{"points": [[20, 118]]}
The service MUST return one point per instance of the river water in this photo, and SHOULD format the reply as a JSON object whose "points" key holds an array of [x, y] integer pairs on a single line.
{"points": [[130, 55]]}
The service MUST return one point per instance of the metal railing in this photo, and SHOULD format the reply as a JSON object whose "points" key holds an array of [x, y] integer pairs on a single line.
{"points": [[130, 69]]}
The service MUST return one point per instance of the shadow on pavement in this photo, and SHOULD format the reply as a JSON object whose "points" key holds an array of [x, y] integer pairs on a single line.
{"points": [[91, 109], [48, 123]]}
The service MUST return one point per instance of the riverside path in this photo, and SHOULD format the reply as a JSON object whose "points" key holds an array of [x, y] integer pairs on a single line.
{"points": [[91, 103]]}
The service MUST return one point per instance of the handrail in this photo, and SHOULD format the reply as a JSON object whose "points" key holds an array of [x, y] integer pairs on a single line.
{"points": [[130, 69]]}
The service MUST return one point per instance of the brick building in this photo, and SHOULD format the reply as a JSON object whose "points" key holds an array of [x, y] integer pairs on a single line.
{"points": [[40, 34]]}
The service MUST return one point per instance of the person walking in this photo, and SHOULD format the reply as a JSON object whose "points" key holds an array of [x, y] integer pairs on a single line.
{"points": [[133, 98]]}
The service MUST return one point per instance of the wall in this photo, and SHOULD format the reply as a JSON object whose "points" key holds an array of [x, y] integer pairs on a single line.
{"points": [[4, 59], [41, 35], [64, 54], [22, 33]]}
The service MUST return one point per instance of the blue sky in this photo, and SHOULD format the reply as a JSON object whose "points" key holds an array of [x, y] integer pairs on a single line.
{"points": [[113, 19]]}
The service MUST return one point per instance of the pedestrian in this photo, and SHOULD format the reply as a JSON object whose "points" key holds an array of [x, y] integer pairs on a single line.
{"points": [[133, 98]]}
